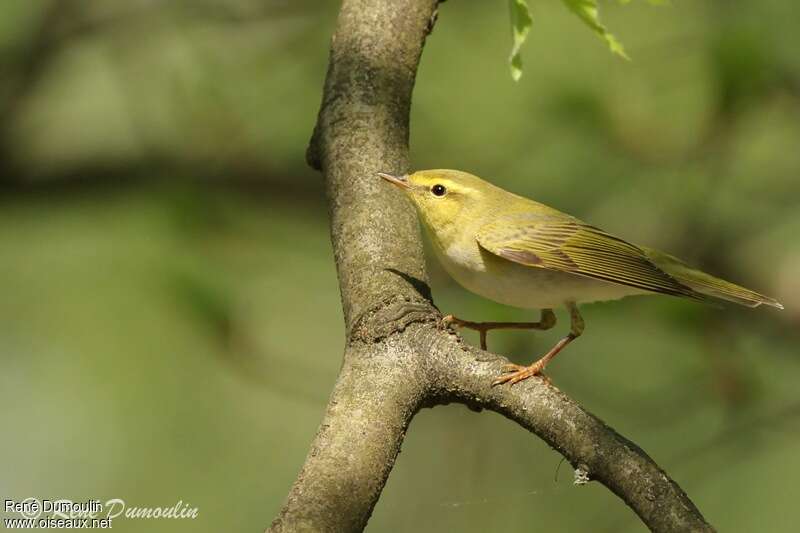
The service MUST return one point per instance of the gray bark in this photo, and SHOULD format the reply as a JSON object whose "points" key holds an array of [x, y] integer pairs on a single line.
{"points": [[398, 358]]}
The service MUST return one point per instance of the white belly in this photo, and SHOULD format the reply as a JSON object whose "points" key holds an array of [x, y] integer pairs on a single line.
{"points": [[522, 286]]}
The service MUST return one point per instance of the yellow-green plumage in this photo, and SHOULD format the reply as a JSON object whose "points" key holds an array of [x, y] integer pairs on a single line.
{"points": [[523, 253]]}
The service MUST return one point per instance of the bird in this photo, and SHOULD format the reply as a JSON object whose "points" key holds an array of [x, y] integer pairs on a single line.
{"points": [[522, 253]]}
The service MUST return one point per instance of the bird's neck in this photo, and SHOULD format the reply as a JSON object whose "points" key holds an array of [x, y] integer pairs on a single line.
{"points": [[458, 234]]}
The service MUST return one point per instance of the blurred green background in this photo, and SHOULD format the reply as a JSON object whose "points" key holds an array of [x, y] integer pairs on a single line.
{"points": [[170, 325]]}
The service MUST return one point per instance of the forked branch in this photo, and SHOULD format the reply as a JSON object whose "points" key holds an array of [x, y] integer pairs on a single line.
{"points": [[398, 358]]}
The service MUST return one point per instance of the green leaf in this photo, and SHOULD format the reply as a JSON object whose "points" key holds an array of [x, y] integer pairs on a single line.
{"points": [[521, 22], [587, 12]]}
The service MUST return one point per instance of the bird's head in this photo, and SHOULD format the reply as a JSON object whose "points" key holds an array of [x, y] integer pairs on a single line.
{"points": [[445, 198]]}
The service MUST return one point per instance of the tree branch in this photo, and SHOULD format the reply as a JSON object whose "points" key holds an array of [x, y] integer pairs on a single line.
{"points": [[585, 441], [363, 129], [378, 392], [398, 357]]}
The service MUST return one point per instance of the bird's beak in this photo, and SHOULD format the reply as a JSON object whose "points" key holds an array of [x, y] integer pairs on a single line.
{"points": [[400, 181]]}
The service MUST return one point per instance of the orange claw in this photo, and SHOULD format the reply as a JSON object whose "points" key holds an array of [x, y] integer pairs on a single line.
{"points": [[515, 373]]}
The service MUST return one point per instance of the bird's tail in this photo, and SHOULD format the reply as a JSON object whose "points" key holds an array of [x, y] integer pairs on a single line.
{"points": [[706, 284]]}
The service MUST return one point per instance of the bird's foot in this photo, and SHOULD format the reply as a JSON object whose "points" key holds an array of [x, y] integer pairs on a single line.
{"points": [[452, 320], [547, 321], [515, 373], [480, 327]]}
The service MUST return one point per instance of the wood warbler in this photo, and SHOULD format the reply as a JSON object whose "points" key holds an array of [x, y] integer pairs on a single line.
{"points": [[522, 253]]}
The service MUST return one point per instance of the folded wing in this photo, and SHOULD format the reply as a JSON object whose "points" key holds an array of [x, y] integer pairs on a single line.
{"points": [[569, 245]]}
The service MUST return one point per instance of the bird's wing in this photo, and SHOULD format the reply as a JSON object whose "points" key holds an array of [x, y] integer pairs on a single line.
{"points": [[568, 245]]}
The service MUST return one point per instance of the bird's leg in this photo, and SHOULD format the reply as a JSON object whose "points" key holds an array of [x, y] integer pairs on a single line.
{"points": [[546, 321], [516, 373]]}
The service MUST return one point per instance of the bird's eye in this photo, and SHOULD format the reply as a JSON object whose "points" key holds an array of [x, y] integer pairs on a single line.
{"points": [[438, 190]]}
